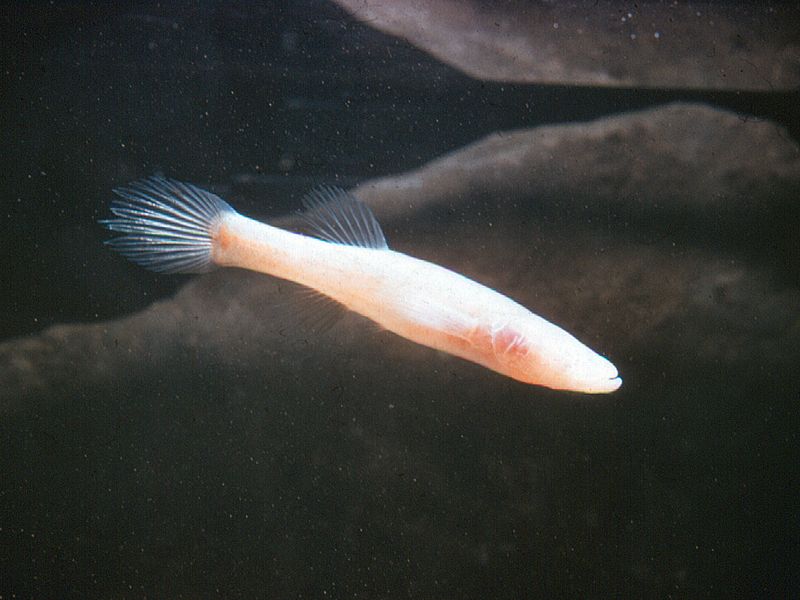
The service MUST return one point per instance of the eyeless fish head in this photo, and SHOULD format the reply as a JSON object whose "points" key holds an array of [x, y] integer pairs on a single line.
{"points": [[541, 353]]}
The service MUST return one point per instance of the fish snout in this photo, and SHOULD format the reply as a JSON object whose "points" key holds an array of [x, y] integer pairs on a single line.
{"points": [[593, 374]]}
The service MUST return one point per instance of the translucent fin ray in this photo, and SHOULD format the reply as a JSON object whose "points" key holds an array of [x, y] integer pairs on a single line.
{"points": [[336, 216], [314, 310], [168, 225]]}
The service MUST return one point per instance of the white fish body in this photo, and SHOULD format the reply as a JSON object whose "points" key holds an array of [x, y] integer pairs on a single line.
{"points": [[174, 227]]}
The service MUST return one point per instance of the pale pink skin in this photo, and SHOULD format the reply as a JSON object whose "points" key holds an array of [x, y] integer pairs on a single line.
{"points": [[422, 302]]}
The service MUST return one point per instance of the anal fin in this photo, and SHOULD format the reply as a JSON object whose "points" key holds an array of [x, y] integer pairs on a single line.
{"points": [[314, 310]]}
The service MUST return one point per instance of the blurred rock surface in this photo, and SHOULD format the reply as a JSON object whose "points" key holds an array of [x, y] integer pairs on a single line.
{"points": [[699, 45]]}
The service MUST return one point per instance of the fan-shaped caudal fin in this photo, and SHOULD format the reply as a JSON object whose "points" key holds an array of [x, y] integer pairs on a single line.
{"points": [[168, 226]]}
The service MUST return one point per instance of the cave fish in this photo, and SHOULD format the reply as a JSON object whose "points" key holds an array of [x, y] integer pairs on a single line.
{"points": [[174, 227]]}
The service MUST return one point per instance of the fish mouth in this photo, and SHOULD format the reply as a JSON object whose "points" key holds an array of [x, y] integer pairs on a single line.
{"points": [[607, 375], [612, 381], [601, 386], [614, 384], [605, 379]]}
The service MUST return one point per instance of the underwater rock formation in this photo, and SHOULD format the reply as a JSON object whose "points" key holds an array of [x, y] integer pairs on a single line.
{"points": [[699, 45], [588, 223], [679, 159]]}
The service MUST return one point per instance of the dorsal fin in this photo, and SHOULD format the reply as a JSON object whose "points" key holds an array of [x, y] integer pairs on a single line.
{"points": [[337, 216]]}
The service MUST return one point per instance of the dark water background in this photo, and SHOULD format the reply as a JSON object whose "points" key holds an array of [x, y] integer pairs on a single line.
{"points": [[297, 93]]}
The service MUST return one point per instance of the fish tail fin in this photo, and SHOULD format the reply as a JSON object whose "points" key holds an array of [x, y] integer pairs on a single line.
{"points": [[169, 226]]}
